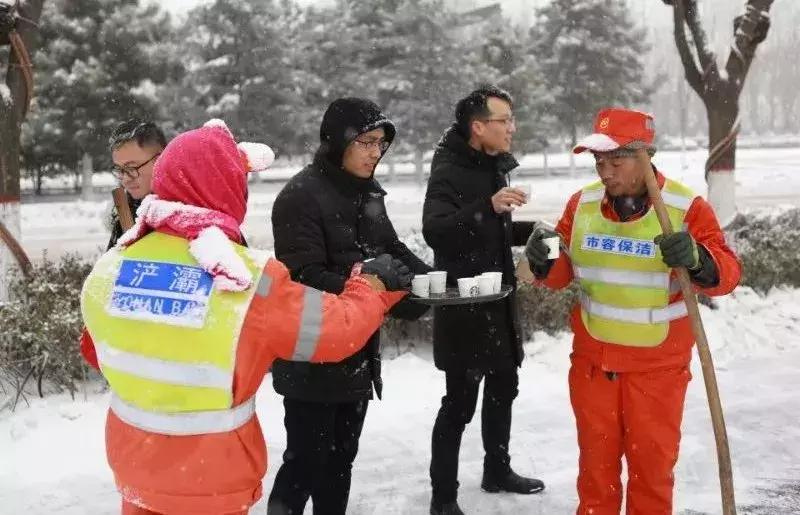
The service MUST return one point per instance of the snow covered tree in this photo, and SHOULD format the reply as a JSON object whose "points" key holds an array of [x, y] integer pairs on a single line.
{"points": [[18, 32], [518, 72], [592, 56], [720, 88], [244, 66], [102, 62], [405, 55]]}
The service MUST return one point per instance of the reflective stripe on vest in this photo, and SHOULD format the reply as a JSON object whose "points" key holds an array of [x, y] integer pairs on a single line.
{"points": [[173, 372], [624, 277], [625, 284], [187, 423], [635, 316]]}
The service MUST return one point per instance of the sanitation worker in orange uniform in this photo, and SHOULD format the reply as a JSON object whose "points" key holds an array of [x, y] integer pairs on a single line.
{"points": [[633, 340], [185, 322]]}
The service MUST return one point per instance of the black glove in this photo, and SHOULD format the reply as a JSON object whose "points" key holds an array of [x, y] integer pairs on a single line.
{"points": [[536, 251], [392, 272], [678, 250]]}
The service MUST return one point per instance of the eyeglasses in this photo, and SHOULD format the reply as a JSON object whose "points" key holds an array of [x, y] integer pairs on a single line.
{"points": [[508, 122], [132, 172], [380, 144]]}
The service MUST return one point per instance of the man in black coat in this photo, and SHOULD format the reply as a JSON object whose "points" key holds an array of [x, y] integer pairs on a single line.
{"points": [[327, 218], [467, 221]]}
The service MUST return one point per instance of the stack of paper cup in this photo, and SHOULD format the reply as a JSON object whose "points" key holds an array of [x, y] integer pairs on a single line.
{"points": [[485, 284], [420, 286], [497, 280], [438, 282], [468, 287]]}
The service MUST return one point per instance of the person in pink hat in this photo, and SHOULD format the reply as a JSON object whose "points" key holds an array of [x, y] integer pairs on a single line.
{"points": [[185, 322], [633, 340]]}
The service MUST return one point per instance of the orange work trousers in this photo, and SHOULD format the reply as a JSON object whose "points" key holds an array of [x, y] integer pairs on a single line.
{"points": [[132, 509], [636, 414]]}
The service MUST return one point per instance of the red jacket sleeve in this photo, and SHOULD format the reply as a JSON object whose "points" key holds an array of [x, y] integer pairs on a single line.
{"points": [[87, 349], [702, 224], [561, 274], [305, 324]]}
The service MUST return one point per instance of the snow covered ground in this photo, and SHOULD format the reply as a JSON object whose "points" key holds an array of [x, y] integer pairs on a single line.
{"points": [[53, 459], [765, 178]]}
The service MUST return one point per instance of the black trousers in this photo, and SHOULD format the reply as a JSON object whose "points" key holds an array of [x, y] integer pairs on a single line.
{"points": [[458, 407], [321, 444]]}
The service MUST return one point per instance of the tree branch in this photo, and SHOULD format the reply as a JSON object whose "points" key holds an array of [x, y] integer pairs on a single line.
{"points": [[31, 11], [708, 61], [749, 30], [692, 72]]}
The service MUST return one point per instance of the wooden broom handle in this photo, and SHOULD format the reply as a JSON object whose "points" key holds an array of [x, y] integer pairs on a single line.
{"points": [[709, 376], [123, 208]]}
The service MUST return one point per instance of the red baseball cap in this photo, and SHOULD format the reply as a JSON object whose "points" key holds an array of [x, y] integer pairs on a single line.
{"points": [[615, 128]]}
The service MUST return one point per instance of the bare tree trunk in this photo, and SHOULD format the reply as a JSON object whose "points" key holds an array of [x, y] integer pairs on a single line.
{"points": [[544, 161], [682, 115], [573, 142], [14, 98], [86, 177], [721, 177], [419, 169], [720, 89]]}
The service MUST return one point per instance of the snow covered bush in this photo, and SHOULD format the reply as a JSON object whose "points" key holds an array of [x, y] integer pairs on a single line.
{"points": [[542, 309], [769, 248], [41, 325]]}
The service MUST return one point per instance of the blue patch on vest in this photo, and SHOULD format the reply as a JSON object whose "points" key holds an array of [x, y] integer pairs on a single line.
{"points": [[161, 292], [618, 245]]}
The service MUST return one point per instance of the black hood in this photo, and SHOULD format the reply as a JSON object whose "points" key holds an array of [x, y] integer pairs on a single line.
{"points": [[344, 120]]}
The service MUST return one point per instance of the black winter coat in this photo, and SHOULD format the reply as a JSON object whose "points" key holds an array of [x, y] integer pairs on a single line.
{"points": [[469, 238], [324, 221]]}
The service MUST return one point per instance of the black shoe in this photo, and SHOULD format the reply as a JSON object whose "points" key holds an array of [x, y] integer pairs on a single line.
{"points": [[451, 508], [513, 483]]}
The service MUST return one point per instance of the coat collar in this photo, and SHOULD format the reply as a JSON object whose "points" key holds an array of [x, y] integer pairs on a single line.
{"points": [[456, 145], [345, 182]]}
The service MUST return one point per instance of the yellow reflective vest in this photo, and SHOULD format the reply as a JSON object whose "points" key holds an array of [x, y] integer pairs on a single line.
{"points": [[625, 285]]}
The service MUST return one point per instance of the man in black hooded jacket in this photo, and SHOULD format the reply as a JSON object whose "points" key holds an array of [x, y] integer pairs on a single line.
{"points": [[327, 218]]}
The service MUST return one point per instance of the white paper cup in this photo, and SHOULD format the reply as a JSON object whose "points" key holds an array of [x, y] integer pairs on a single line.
{"points": [[438, 281], [468, 287], [485, 284], [526, 188], [420, 285], [552, 246], [497, 279]]}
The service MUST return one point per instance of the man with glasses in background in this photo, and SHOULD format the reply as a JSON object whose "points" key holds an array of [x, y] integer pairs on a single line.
{"points": [[466, 220], [135, 146], [328, 218]]}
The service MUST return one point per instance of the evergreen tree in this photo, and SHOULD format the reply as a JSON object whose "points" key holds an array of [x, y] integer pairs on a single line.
{"points": [[101, 63], [592, 56]]}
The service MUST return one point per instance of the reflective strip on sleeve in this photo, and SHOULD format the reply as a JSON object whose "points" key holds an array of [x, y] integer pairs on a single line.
{"points": [[310, 326]]}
